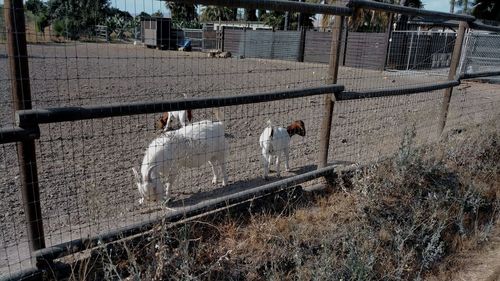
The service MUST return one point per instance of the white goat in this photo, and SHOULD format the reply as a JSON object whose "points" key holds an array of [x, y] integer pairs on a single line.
{"points": [[187, 147], [274, 141], [183, 116]]}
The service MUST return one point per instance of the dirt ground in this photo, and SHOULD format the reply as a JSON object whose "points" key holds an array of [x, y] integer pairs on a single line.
{"points": [[84, 167], [479, 265]]}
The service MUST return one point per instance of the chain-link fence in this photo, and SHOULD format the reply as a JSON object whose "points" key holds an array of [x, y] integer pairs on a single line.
{"points": [[96, 107], [481, 52]]}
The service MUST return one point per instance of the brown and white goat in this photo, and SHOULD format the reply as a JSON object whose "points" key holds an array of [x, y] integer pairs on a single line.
{"points": [[165, 121], [275, 141]]}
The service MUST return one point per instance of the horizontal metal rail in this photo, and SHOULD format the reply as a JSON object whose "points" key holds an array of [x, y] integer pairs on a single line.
{"points": [[292, 6], [24, 275], [343, 96], [64, 114], [481, 26], [17, 134], [407, 10], [479, 74], [275, 5], [78, 245]]}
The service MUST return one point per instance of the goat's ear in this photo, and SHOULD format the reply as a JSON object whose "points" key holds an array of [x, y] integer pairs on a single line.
{"points": [[189, 115], [136, 175], [150, 170], [164, 116]]}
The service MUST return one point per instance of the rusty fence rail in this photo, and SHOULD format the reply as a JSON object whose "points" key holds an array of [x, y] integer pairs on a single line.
{"points": [[28, 119]]}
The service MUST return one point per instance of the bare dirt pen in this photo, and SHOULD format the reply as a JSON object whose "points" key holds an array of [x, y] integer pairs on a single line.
{"points": [[85, 174]]}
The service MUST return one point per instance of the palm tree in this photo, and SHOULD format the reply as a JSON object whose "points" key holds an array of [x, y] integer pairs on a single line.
{"points": [[464, 4], [250, 14], [274, 19], [215, 13], [487, 10], [182, 12], [452, 6]]}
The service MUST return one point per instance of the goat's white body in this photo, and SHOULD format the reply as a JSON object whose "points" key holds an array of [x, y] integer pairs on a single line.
{"points": [[187, 147], [277, 145], [181, 116]]}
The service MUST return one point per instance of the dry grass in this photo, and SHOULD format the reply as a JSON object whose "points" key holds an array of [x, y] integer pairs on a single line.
{"points": [[397, 220]]}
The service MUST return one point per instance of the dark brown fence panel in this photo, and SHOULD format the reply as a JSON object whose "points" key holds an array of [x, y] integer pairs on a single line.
{"points": [[232, 39], [209, 40], [286, 45], [266, 44], [317, 47], [366, 50]]}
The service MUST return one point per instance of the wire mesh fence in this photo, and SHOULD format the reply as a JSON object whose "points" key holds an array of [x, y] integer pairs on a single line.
{"points": [[367, 130], [481, 53], [84, 167]]}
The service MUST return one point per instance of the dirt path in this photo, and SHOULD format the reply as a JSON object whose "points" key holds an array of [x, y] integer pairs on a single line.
{"points": [[475, 265]]}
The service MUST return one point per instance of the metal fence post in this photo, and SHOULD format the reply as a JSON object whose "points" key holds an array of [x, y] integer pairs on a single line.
{"points": [[302, 46], [21, 96], [333, 70], [455, 60]]}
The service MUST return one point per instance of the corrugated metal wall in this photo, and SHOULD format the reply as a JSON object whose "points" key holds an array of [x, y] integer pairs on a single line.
{"points": [[232, 39], [366, 50], [283, 45], [317, 47]]}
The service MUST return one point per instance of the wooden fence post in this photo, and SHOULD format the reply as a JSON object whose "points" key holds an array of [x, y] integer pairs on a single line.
{"points": [[333, 70], [388, 34], [455, 60], [21, 97]]}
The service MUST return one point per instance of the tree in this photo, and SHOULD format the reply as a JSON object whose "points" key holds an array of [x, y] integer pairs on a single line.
{"points": [[2, 27], [77, 16], [144, 15], [112, 11], [40, 12], [214, 13], [274, 19], [250, 15], [157, 14], [465, 5], [487, 10], [35, 6], [182, 12], [452, 6]]}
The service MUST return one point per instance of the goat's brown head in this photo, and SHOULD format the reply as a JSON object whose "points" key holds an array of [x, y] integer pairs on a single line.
{"points": [[162, 121], [297, 128]]}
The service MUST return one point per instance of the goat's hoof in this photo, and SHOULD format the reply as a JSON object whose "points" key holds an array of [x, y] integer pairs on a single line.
{"points": [[214, 181], [141, 201], [223, 183]]}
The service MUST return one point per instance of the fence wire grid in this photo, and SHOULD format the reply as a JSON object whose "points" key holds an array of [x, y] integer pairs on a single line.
{"points": [[84, 168]]}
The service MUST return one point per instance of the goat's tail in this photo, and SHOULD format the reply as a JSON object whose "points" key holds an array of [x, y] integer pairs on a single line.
{"points": [[219, 114], [269, 123]]}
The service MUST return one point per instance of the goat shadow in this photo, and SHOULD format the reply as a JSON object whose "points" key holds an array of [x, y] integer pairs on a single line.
{"points": [[237, 186]]}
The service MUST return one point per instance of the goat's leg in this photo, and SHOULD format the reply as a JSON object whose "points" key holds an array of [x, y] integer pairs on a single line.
{"points": [[183, 119], [214, 171], [168, 185], [265, 162], [287, 155], [222, 164], [278, 156]]}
